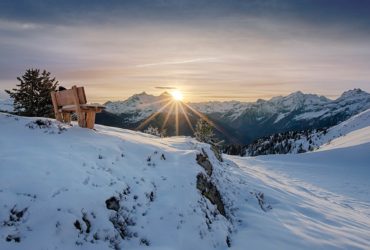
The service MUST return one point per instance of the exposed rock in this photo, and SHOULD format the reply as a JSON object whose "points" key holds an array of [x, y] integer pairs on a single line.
{"points": [[261, 201], [87, 222], [120, 225], [217, 153], [14, 238], [210, 191], [77, 225], [144, 241], [202, 160], [228, 241], [150, 196], [15, 216], [112, 203]]}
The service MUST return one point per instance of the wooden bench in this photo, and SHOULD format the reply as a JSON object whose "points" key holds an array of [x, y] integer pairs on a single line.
{"points": [[72, 100]]}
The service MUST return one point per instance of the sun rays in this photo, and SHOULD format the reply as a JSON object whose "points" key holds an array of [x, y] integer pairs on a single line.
{"points": [[177, 95], [173, 106]]}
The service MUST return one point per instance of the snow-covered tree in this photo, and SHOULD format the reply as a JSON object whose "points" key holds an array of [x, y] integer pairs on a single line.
{"points": [[32, 95], [152, 131], [204, 132], [163, 132]]}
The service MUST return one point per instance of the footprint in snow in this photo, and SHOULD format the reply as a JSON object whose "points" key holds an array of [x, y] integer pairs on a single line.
{"points": [[59, 191], [86, 181]]}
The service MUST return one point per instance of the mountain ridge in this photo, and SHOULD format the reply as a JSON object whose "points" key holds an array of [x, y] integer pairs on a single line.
{"points": [[247, 121], [293, 142]]}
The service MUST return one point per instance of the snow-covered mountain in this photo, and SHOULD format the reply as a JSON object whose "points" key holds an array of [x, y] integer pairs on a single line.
{"points": [[303, 141], [65, 187], [244, 122], [294, 112], [139, 106], [282, 105]]}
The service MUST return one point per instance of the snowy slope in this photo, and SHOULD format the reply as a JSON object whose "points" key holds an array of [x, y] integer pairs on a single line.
{"points": [[319, 199], [353, 138], [359, 121], [56, 181], [326, 194], [6, 104], [297, 142], [58, 175]]}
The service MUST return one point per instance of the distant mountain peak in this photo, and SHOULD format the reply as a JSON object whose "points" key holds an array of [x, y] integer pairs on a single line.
{"points": [[297, 93], [165, 94], [142, 94], [353, 92]]}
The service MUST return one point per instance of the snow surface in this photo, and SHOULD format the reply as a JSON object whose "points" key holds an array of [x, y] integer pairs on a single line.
{"points": [[357, 137], [320, 200], [63, 173], [316, 140], [6, 104], [358, 125]]}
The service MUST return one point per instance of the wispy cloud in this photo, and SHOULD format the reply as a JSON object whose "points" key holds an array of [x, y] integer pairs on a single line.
{"points": [[165, 87], [17, 26], [196, 60]]}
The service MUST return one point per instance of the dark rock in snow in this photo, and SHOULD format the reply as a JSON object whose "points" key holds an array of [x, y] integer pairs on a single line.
{"points": [[202, 160], [228, 241], [261, 201], [16, 238], [77, 225], [210, 191], [217, 153], [87, 222], [144, 242], [112, 203]]}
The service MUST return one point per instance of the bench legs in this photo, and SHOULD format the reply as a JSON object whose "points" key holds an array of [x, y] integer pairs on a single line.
{"points": [[85, 119], [81, 119], [67, 117], [90, 119]]}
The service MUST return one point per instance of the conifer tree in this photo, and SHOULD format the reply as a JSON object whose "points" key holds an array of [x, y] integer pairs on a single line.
{"points": [[152, 131], [32, 95], [204, 132]]}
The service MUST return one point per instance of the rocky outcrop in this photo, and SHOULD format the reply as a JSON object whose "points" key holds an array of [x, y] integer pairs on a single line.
{"points": [[203, 161], [210, 191], [217, 153], [205, 185]]}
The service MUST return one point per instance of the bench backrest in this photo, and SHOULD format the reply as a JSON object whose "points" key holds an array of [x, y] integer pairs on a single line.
{"points": [[67, 97]]}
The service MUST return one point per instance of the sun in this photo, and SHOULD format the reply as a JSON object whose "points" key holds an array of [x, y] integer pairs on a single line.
{"points": [[177, 95]]}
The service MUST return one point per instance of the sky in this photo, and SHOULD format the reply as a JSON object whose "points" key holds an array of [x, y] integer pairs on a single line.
{"points": [[208, 49]]}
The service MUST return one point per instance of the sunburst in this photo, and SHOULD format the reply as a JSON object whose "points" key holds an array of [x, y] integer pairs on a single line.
{"points": [[172, 106], [177, 95]]}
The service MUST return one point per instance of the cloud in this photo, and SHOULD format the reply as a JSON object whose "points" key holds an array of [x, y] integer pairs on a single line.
{"points": [[196, 60], [222, 47], [17, 26], [165, 87], [95, 11]]}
